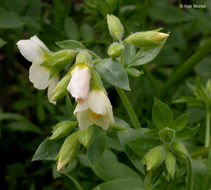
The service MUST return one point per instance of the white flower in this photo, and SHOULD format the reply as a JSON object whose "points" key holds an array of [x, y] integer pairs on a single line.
{"points": [[32, 50], [79, 83], [97, 109]]}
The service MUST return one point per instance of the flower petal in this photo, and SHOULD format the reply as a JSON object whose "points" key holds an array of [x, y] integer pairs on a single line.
{"points": [[52, 84], [39, 75], [79, 83], [102, 122], [81, 113], [97, 101], [30, 49], [38, 42]]}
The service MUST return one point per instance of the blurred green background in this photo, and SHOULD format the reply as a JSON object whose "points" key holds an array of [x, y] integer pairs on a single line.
{"points": [[26, 116]]}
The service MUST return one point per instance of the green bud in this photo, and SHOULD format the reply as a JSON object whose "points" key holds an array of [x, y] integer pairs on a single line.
{"points": [[145, 39], [154, 157], [61, 87], [57, 61], [180, 149], [63, 129], [115, 50], [67, 151], [84, 58], [170, 162], [167, 135], [85, 136], [59, 58], [115, 27]]}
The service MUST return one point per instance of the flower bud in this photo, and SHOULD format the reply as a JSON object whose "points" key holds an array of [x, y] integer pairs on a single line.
{"points": [[167, 135], [60, 58], [85, 136], [84, 58], [145, 39], [180, 149], [115, 27], [154, 158], [115, 50], [67, 151], [61, 87], [63, 129], [170, 162]]}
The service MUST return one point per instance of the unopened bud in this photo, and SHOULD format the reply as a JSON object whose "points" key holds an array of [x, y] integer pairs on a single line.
{"points": [[61, 88], [63, 129], [115, 50], [115, 27], [84, 58], [180, 149], [145, 39], [170, 162], [67, 151], [59, 58], [154, 157], [85, 136], [167, 135]]}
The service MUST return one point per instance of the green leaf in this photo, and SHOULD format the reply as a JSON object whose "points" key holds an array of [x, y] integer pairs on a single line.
{"points": [[86, 32], [48, 150], [181, 122], [147, 54], [2, 42], [123, 184], [71, 44], [128, 53], [71, 29], [134, 72], [200, 91], [187, 133], [113, 72], [97, 148], [69, 105], [9, 19], [141, 145], [110, 168], [21, 123], [167, 13], [162, 115], [17, 6]]}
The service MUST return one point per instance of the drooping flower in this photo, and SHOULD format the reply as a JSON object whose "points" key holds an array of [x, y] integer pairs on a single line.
{"points": [[96, 109], [33, 50], [80, 83]]}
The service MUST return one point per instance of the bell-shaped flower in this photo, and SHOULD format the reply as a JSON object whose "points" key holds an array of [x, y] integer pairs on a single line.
{"points": [[79, 83], [96, 109], [33, 50]]}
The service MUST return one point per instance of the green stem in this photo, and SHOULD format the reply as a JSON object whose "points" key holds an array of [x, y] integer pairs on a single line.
{"points": [[189, 184], [129, 108], [151, 80], [203, 152], [185, 68], [207, 138]]}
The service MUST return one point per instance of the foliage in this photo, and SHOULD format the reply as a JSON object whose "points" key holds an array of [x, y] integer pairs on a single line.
{"points": [[154, 143]]}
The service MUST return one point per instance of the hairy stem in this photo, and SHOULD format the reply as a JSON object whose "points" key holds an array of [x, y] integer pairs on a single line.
{"points": [[207, 137], [185, 68], [129, 108]]}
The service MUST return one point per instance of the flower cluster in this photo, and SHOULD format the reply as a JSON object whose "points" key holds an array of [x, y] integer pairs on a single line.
{"points": [[93, 106]]}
